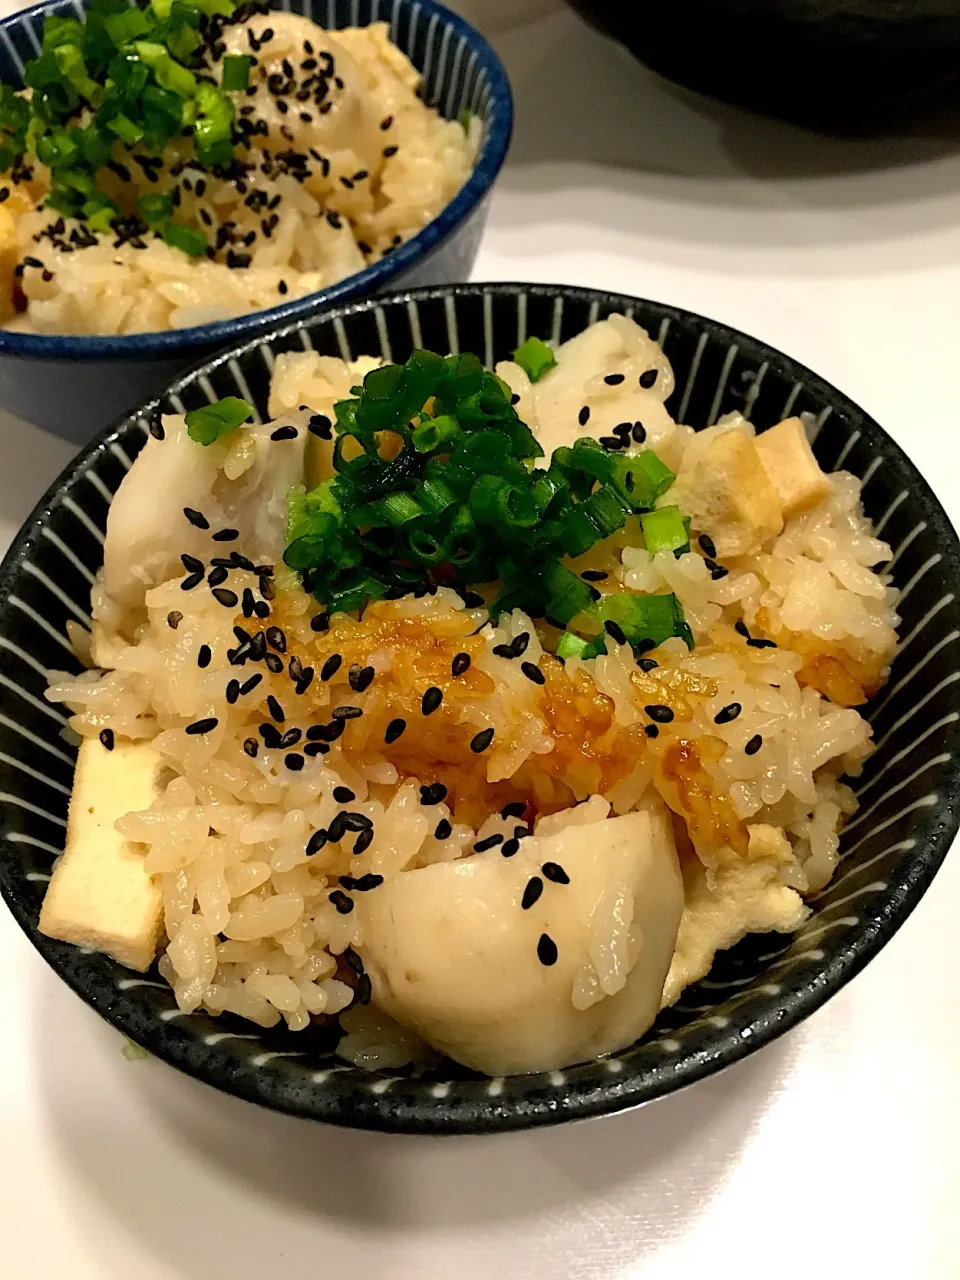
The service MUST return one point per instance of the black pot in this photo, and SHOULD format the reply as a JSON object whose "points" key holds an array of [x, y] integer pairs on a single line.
{"points": [[814, 61]]}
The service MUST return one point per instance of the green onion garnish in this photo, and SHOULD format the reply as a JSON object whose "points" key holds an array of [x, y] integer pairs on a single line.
{"points": [[463, 499], [666, 530], [235, 74], [535, 358], [212, 421], [646, 621]]}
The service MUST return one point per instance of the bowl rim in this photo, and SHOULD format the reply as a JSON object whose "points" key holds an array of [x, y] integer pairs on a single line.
{"points": [[450, 1115], [370, 280]]}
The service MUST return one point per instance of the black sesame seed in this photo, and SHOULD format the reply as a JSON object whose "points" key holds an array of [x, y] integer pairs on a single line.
{"points": [[346, 713], [460, 664], [106, 738], [622, 429], [174, 618], [613, 379], [290, 738], [389, 151], [727, 713], [504, 651], [648, 378], [647, 664], [519, 643], [343, 795], [547, 950], [718, 573], [340, 900], [225, 597], [612, 442], [305, 681], [386, 122], [315, 749], [481, 741], [354, 821], [331, 666], [196, 518], [282, 287], [249, 685], [533, 672], [232, 691], [362, 844], [652, 731], [320, 622], [639, 432], [443, 830], [490, 842], [472, 599], [431, 700], [274, 663], [295, 668], [594, 575], [555, 873], [510, 847], [226, 535], [515, 809], [251, 746], [361, 884], [192, 581], [741, 627], [275, 709], [284, 433], [316, 842], [202, 726], [394, 730], [754, 745], [270, 735], [321, 426], [614, 631], [247, 603], [583, 417], [191, 563], [531, 893], [276, 639], [657, 711], [217, 576], [294, 761], [435, 793], [360, 678], [707, 546], [757, 642], [204, 655]]}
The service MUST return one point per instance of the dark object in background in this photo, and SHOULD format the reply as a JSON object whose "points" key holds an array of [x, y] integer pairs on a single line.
{"points": [[819, 62]]}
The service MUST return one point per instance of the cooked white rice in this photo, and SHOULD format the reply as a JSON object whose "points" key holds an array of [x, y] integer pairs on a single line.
{"points": [[324, 228], [249, 922]]}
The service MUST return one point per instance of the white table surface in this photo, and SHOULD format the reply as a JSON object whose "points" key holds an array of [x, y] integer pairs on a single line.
{"points": [[834, 1152]]}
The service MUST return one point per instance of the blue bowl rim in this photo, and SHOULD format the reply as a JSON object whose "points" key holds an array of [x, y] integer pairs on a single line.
{"points": [[362, 283], [613, 1094]]}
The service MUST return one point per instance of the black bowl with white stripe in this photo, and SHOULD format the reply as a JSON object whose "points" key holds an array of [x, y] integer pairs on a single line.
{"points": [[756, 991]]}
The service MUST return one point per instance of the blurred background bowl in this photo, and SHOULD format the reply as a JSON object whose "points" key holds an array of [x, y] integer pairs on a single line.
{"points": [[820, 62], [73, 385]]}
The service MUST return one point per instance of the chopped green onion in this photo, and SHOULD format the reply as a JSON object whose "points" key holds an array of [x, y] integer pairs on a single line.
{"points": [[212, 421], [535, 358], [235, 74], [570, 645], [642, 477], [435, 433], [189, 241], [646, 621], [665, 530], [155, 207], [399, 508], [566, 594]]}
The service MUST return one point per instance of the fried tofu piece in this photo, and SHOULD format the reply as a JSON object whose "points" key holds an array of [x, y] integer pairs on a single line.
{"points": [[793, 470], [729, 495], [9, 256], [100, 896]]}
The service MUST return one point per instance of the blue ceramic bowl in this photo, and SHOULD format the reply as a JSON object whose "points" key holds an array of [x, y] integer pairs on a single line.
{"points": [[909, 791], [73, 385]]}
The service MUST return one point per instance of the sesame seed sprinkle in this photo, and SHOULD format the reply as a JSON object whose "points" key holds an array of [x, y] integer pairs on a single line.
{"points": [[276, 639], [331, 666], [460, 664], [225, 597], [435, 793], [294, 761], [614, 631], [316, 842], [531, 893], [284, 433], [226, 535], [613, 379], [594, 575], [707, 546], [533, 672], [489, 842], [275, 709], [360, 678], [202, 726], [340, 900], [196, 518], [343, 795], [583, 417], [639, 433], [510, 847], [727, 713], [547, 950], [346, 713], [431, 700], [362, 844], [754, 745], [274, 663], [251, 747], [443, 830], [657, 711], [555, 873], [320, 622], [648, 378], [174, 618], [481, 741], [394, 729], [106, 739], [204, 655], [651, 731]]}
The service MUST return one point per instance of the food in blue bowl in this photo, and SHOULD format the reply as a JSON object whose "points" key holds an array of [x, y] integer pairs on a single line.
{"points": [[178, 174], [478, 707]]}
